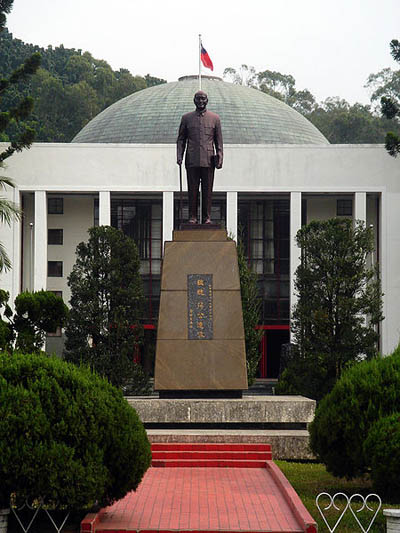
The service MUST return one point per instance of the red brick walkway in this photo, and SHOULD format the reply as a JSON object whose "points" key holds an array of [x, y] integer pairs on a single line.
{"points": [[206, 500]]}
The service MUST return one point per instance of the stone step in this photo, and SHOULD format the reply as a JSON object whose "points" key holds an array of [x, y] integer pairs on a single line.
{"points": [[210, 455], [188, 463], [286, 444], [210, 446]]}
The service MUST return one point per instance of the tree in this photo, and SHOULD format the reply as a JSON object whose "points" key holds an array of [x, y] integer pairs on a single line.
{"points": [[342, 123], [104, 328], [15, 114], [251, 304], [339, 305], [387, 88], [281, 86], [36, 313]]}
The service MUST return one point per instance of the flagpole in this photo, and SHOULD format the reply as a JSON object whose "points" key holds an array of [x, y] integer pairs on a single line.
{"points": [[199, 62]]}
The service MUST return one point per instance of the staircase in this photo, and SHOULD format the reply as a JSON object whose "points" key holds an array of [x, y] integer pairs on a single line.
{"points": [[210, 455]]}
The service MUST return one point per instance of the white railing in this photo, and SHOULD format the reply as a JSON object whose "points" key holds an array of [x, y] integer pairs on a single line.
{"points": [[35, 507], [345, 504]]}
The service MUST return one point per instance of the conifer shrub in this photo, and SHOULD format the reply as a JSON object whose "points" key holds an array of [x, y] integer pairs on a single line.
{"points": [[66, 434], [366, 392], [382, 448]]}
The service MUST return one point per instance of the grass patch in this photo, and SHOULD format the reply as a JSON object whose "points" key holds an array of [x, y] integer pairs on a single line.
{"points": [[310, 479]]}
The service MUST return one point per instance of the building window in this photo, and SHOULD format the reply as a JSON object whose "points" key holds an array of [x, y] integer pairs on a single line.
{"points": [[218, 211], [344, 208], [141, 220], [55, 236], [55, 206], [264, 227], [57, 293], [54, 269]]}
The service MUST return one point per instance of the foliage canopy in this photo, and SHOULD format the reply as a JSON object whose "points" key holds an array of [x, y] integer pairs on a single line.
{"points": [[104, 329], [337, 291], [66, 435], [36, 313], [251, 303], [365, 393]]}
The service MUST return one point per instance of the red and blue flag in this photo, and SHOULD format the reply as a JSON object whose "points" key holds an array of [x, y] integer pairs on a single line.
{"points": [[205, 59]]}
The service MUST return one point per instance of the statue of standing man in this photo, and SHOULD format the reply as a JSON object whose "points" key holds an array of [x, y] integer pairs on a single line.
{"points": [[200, 134]]}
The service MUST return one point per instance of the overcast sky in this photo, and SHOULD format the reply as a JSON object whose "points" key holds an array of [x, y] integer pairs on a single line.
{"points": [[330, 47]]}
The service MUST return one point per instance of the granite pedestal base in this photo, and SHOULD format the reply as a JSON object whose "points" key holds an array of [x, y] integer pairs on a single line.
{"points": [[200, 337]]}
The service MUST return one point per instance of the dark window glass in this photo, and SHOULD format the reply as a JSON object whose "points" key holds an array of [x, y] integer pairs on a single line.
{"points": [[344, 208], [55, 236], [55, 206], [57, 293], [54, 269], [218, 211], [96, 212], [265, 226]]}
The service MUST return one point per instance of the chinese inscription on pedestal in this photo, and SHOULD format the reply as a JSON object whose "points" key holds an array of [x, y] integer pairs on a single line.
{"points": [[200, 306]]}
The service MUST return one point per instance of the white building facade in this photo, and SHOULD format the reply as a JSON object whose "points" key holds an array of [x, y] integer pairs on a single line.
{"points": [[266, 190]]}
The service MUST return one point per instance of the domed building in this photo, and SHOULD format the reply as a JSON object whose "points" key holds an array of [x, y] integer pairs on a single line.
{"points": [[152, 116], [279, 172]]}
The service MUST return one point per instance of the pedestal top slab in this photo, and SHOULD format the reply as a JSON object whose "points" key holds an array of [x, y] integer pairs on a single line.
{"points": [[196, 235]]}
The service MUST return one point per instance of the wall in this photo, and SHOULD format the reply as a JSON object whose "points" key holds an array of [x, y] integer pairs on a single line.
{"points": [[336, 169]]}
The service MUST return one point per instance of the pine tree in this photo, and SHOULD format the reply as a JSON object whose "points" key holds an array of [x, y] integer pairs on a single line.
{"points": [[339, 305], [251, 303], [107, 304], [16, 114]]}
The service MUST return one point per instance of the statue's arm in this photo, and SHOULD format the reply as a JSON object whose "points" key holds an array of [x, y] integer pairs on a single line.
{"points": [[181, 141], [219, 145]]}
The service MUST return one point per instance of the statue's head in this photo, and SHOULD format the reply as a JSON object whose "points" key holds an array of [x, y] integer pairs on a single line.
{"points": [[200, 100]]}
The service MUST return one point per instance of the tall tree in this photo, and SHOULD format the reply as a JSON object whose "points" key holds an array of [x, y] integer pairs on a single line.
{"points": [[342, 123], [104, 328], [14, 115], [251, 305], [339, 305], [386, 85]]}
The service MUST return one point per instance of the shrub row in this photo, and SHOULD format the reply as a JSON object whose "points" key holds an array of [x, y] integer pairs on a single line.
{"points": [[66, 434], [357, 425]]}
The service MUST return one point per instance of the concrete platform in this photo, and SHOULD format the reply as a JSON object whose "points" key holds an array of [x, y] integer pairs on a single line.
{"points": [[254, 418], [247, 410]]}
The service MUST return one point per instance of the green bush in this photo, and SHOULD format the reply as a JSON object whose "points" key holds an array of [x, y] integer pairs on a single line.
{"points": [[382, 448], [365, 393], [66, 434]]}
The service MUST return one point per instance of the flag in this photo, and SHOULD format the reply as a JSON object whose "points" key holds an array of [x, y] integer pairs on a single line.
{"points": [[205, 58]]}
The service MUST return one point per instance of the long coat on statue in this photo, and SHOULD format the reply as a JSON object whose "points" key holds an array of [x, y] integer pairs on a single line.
{"points": [[200, 133]]}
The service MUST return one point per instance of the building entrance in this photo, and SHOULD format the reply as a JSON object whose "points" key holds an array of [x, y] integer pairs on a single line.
{"points": [[271, 343]]}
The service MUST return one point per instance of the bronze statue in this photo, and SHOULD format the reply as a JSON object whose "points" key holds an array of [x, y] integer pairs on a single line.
{"points": [[200, 133]]}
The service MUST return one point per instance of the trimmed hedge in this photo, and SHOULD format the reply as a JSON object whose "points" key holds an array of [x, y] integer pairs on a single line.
{"points": [[66, 434], [382, 448], [365, 393]]}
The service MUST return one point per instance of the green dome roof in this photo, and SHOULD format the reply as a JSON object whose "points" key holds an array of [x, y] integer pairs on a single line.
{"points": [[248, 116]]}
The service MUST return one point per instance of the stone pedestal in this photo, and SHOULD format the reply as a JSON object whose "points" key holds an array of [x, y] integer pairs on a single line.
{"points": [[392, 520], [200, 338]]}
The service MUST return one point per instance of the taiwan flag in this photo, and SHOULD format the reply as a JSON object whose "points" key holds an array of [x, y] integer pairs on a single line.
{"points": [[205, 58]]}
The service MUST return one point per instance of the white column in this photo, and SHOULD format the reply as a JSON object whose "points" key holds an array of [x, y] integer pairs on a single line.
{"points": [[232, 214], [17, 250], [168, 216], [40, 242], [104, 208], [11, 240], [295, 252], [360, 206]]}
